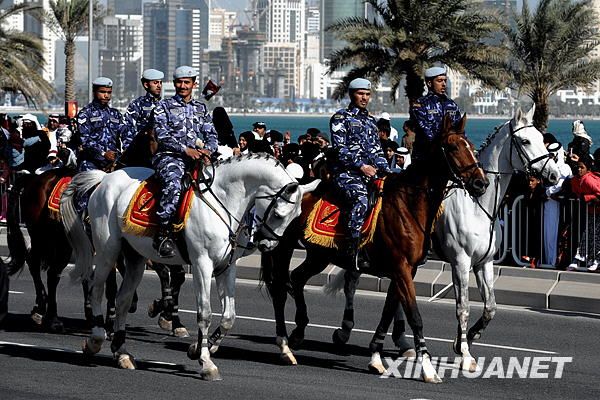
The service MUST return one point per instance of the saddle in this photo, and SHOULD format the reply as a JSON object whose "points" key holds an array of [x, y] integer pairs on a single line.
{"points": [[323, 228], [140, 218], [54, 199]]}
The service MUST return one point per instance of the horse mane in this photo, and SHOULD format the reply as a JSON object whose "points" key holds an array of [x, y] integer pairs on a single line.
{"points": [[488, 140], [249, 156]]}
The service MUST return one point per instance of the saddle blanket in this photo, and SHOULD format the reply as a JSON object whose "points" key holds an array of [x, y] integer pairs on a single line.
{"points": [[140, 218], [323, 228], [54, 199]]}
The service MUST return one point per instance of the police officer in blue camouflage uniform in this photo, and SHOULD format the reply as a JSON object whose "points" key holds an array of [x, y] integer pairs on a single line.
{"points": [[428, 111], [355, 138], [139, 120], [103, 134], [180, 124], [102, 129]]}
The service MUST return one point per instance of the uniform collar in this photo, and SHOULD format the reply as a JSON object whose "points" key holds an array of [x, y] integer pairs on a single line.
{"points": [[179, 99], [151, 98], [439, 96], [352, 109], [97, 104]]}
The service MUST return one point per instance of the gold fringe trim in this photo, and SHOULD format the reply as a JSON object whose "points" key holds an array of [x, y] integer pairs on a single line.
{"points": [[332, 242], [439, 213], [139, 230], [53, 213]]}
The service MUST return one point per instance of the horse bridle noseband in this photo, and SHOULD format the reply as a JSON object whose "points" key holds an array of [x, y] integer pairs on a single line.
{"points": [[456, 172], [528, 163], [274, 197]]}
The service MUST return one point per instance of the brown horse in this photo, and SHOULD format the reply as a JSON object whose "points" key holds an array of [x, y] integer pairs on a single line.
{"points": [[49, 249], [411, 200]]}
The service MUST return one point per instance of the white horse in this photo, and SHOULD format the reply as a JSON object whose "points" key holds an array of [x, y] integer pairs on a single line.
{"points": [[467, 234], [213, 230]]}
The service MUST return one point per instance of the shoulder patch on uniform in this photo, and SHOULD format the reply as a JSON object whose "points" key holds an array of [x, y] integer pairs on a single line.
{"points": [[417, 105], [338, 116]]}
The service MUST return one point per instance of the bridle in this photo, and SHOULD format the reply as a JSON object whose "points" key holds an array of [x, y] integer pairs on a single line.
{"points": [[456, 172], [263, 220], [527, 162]]}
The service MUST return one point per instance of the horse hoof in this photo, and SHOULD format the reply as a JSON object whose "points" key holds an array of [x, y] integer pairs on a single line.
{"points": [[181, 333], [376, 368], [456, 347], [211, 374], [126, 361], [409, 354], [340, 337], [89, 350], [165, 324], [289, 359], [469, 364], [193, 353], [432, 379], [213, 348], [296, 339], [154, 308], [37, 318]]}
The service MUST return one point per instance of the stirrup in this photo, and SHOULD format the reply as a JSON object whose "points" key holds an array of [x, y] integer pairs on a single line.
{"points": [[165, 247]]}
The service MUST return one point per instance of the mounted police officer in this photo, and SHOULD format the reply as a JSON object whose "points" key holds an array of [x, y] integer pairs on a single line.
{"points": [[139, 119], [102, 129], [180, 123], [428, 112], [355, 139]]}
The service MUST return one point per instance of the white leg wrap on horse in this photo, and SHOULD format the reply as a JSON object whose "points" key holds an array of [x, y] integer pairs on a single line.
{"points": [[428, 372], [375, 365], [286, 354]]}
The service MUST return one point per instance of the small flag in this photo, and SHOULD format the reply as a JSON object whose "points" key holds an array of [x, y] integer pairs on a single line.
{"points": [[210, 90]]}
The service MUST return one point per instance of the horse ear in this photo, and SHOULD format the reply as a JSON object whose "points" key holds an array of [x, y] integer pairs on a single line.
{"points": [[462, 123], [446, 124], [518, 115], [530, 113], [309, 187], [291, 188]]}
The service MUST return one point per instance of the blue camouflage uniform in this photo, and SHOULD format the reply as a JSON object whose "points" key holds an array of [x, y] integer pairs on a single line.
{"points": [[101, 129], [428, 113], [139, 113], [178, 125], [354, 136]]}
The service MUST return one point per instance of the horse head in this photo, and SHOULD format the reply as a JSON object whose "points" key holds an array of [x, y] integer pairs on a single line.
{"points": [[527, 152], [459, 153], [276, 211]]}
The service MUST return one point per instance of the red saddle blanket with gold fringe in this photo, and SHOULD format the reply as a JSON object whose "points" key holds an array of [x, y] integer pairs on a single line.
{"points": [[323, 227], [57, 191]]}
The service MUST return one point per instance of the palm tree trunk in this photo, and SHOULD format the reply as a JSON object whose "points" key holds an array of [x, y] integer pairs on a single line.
{"points": [[540, 118], [69, 69], [414, 86]]}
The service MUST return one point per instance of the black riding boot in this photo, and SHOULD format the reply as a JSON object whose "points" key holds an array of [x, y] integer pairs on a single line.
{"points": [[163, 242]]}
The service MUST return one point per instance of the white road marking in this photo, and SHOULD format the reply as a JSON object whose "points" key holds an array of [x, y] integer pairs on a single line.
{"points": [[62, 350], [434, 339], [15, 292]]}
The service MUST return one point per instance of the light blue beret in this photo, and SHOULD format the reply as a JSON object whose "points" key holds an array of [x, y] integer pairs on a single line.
{"points": [[434, 71], [185, 72], [102, 81], [359, 83], [153, 75]]}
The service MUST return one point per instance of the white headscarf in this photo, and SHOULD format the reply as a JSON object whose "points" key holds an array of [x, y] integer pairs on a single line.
{"points": [[579, 130]]}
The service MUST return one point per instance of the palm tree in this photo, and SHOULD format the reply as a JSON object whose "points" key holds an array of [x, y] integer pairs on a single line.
{"points": [[407, 36], [22, 56], [69, 19], [552, 49]]}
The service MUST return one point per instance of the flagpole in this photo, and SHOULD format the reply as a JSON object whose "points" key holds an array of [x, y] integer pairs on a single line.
{"points": [[90, 30]]}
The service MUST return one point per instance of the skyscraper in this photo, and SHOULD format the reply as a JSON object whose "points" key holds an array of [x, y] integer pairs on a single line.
{"points": [[176, 32], [332, 11], [124, 7]]}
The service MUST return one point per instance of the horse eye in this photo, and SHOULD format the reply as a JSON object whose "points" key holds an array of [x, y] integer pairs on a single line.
{"points": [[525, 142], [278, 215]]}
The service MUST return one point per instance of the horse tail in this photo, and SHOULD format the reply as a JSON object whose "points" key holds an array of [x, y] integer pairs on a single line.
{"points": [[335, 284], [74, 228], [17, 247]]}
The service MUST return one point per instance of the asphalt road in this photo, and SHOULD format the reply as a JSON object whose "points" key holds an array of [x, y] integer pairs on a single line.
{"points": [[39, 365]]}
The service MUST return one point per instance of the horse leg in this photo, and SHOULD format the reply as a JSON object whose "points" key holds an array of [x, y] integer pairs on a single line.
{"points": [[485, 283], [131, 280], [405, 348], [376, 346], [226, 288], [121, 269], [162, 306], [312, 265], [101, 273], [342, 335], [405, 291], [111, 294], [87, 302], [41, 298], [51, 320], [203, 270], [460, 279], [277, 279], [177, 279]]}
